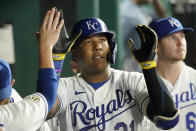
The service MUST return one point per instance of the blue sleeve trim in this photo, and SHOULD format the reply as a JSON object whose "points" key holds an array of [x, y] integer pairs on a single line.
{"points": [[47, 85], [167, 124]]}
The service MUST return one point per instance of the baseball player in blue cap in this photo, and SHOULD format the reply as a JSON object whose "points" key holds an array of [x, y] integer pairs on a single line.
{"points": [[7, 93], [5, 84], [103, 98], [179, 78], [30, 113]]}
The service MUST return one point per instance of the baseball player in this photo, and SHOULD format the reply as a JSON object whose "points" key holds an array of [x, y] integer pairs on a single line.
{"points": [[31, 112], [179, 78], [102, 98], [8, 94]]}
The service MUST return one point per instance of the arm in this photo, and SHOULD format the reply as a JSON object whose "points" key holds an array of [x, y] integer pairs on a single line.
{"points": [[48, 37], [161, 108], [59, 52]]}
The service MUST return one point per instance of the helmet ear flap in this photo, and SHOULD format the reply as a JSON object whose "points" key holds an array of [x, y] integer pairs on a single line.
{"points": [[111, 57]]}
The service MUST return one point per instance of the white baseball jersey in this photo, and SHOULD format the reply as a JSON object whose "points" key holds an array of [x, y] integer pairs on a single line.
{"points": [[116, 105], [15, 96], [184, 96], [50, 125], [26, 115]]}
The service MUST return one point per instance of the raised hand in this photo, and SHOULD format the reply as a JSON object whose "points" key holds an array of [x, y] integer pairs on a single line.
{"points": [[48, 36], [50, 29], [145, 55]]}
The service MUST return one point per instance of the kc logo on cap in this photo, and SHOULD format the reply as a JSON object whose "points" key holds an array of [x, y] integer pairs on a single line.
{"points": [[167, 26], [174, 22]]}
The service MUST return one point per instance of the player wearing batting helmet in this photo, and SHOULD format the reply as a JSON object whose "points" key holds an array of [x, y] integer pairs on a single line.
{"points": [[179, 78], [103, 98]]}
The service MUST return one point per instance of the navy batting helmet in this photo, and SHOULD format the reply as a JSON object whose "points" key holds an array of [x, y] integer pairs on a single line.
{"points": [[89, 27]]}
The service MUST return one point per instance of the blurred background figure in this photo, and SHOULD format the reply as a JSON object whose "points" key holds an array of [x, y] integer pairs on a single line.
{"points": [[132, 13]]}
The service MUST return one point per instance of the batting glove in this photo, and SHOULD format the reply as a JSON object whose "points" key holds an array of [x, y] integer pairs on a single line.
{"points": [[63, 45], [145, 55]]}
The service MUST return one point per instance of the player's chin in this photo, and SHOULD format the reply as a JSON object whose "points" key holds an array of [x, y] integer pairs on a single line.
{"points": [[100, 66], [180, 58]]}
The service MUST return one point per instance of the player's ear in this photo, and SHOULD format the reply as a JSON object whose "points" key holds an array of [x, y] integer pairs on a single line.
{"points": [[74, 67], [12, 82], [158, 46]]}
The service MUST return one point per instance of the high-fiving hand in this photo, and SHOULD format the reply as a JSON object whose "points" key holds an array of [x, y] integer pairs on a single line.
{"points": [[145, 55]]}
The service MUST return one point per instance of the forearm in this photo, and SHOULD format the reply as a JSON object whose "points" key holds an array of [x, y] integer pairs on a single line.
{"points": [[161, 101], [54, 109], [45, 57], [47, 85], [58, 60], [47, 81]]}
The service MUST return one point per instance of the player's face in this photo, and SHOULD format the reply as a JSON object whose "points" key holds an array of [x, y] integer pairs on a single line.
{"points": [[92, 56], [172, 47]]}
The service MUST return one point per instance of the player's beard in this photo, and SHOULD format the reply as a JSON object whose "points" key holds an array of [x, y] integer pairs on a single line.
{"points": [[177, 58], [180, 55]]}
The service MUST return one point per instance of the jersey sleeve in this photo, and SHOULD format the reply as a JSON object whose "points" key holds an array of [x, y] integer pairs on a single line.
{"points": [[28, 114], [50, 125], [143, 100]]}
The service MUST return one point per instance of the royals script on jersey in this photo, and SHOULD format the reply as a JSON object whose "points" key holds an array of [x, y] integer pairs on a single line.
{"points": [[114, 106]]}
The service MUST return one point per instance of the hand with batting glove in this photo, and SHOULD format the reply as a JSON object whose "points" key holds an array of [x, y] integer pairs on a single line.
{"points": [[145, 55], [63, 45]]}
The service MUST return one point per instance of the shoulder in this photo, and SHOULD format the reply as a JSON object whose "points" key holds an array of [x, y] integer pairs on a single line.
{"points": [[189, 70], [32, 105]]}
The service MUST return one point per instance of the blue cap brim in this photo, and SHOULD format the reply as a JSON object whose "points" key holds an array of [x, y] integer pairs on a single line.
{"points": [[186, 30], [5, 92]]}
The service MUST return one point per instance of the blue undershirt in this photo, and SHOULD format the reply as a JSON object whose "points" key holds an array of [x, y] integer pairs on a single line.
{"points": [[98, 84]]}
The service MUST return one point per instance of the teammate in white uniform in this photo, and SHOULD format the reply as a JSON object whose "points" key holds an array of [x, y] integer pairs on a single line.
{"points": [[30, 113], [102, 98], [7, 94], [179, 78]]}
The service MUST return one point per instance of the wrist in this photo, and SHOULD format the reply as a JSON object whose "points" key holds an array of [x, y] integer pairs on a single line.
{"points": [[148, 64], [57, 56]]}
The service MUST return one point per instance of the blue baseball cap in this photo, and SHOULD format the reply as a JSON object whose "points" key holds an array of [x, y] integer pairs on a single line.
{"points": [[167, 26], [5, 80]]}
